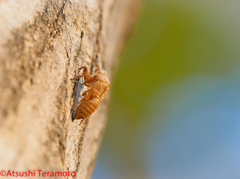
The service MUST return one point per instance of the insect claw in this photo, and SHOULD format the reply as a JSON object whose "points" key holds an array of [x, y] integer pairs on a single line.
{"points": [[73, 80], [81, 121]]}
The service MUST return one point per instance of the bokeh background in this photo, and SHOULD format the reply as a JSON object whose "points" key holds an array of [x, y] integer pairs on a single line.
{"points": [[175, 104]]}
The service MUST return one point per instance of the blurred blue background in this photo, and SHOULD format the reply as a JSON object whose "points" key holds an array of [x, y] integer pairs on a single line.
{"points": [[175, 104]]}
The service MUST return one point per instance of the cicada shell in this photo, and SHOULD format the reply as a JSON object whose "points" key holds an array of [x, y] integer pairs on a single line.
{"points": [[98, 87]]}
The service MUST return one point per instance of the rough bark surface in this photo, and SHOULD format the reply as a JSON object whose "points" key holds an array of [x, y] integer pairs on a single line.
{"points": [[42, 44]]}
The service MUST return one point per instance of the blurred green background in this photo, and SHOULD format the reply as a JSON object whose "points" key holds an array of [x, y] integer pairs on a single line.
{"points": [[175, 103]]}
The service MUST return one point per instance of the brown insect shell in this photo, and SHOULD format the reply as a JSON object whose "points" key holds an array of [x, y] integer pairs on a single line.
{"points": [[98, 88]]}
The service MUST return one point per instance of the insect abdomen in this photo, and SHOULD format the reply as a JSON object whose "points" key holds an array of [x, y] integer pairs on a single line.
{"points": [[86, 108]]}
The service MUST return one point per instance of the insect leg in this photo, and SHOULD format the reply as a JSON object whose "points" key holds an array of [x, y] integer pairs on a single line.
{"points": [[95, 95], [105, 90], [86, 76], [86, 95], [89, 82], [85, 70], [77, 104], [82, 121]]}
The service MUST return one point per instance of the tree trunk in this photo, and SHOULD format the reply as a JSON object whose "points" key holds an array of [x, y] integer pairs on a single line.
{"points": [[42, 44]]}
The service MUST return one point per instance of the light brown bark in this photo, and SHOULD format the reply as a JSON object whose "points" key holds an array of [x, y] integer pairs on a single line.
{"points": [[42, 44]]}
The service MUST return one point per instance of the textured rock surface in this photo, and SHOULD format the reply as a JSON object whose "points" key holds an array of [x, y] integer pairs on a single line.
{"points": [[43, 43]]}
